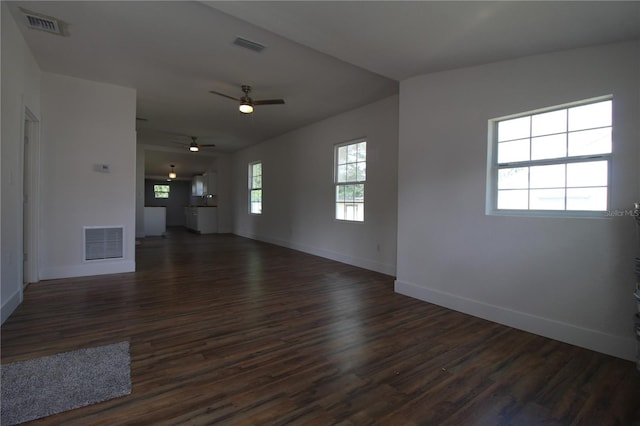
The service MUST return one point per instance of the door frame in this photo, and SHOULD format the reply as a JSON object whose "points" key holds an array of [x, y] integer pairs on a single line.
{"points": [[31, 190]]}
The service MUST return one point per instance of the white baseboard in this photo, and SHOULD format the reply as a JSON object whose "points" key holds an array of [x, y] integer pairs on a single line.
{"points": [[10, 305], [327, 254], [87, 269], [594, 340]]}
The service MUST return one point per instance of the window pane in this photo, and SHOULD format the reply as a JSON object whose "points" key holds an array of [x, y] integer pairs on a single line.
{"points": [[352, 153], [513, 199], [340, 193], [362, 151], [342, 173], [547, 176], [358, 192], [256, 201], [517, 177], [593, 199], [593, 173], [590, 142], [362, 172], [509, 152], [546, 199], [549, 123], [590, 116], [352, 172], [340, 215], [359, 212], [256, 182], [516, 128], [257, 169], [349, 193], [544, 147], [342, 155]]}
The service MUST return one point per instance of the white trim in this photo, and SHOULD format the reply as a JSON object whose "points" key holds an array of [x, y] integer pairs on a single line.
{"points": [[91, 268], [618, 346], [383, 268], [33, 214], [10, 305]]}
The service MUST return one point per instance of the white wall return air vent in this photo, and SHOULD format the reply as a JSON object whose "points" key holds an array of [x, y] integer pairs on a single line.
{"points": [[42, 22], [104, 242], [248, 44]]}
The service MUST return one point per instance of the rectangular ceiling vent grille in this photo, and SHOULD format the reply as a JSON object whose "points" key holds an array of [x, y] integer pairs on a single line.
{"points": [[103, 242], [248, 44], [42, 23]]}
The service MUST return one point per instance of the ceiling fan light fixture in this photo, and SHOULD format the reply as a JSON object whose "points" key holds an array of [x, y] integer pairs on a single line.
{"points": [[172, 173], [246, 107], [194, 147]]}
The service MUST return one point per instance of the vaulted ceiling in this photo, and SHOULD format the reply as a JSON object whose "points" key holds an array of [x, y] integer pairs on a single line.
{"points": [[323, 58]]}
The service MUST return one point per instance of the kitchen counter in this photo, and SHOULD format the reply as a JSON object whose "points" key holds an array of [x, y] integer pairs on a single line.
{"points": [[155, 221]]}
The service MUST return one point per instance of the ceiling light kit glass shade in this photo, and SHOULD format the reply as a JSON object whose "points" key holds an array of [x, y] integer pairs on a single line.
{"points": [[246, 107], [172, 173], [194, 147]]}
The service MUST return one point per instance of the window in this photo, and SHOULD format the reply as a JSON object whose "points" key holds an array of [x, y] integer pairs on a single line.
{"points": [[161, 191], [255, 187], [557, 160], [350, 176]]}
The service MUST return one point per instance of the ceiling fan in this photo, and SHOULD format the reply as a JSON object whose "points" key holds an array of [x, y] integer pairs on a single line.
{"points": [[246, 102], [194, 146]]}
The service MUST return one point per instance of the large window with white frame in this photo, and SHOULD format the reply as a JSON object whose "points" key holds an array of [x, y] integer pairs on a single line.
{"points": [[255, 187], [350, 176], [552, 162]]}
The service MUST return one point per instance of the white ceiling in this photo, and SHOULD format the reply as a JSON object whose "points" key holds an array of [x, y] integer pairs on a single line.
{"points": [[401, 39], [323, 58]]}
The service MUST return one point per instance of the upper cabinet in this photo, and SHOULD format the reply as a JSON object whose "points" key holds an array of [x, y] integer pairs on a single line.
{"points": [[206, 184], [197, 186]]}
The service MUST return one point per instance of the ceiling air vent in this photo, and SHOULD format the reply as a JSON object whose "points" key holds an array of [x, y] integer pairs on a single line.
{"points": [[42, 23], [248, 44]]}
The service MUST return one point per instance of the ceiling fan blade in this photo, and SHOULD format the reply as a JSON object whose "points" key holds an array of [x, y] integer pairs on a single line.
{"points": [[224, 96], [206, 145], [269, 102]]}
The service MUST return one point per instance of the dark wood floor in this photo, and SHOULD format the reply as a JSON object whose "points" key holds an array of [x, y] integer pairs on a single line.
{"points": [[226, 330]]}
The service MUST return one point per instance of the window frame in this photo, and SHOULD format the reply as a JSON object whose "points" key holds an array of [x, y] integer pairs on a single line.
{"points": [[156, 192], [253, 189], [337, 184], [493, 166]]}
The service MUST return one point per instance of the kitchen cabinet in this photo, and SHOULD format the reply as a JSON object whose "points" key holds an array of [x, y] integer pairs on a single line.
{"points": [[203, 220], [197, 186]]}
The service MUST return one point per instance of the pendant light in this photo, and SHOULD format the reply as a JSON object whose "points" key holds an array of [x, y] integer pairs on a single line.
{"points": [[172, 173]]}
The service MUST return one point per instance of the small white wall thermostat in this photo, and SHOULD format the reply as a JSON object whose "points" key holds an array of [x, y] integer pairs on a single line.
{"points": [[102, 168]]}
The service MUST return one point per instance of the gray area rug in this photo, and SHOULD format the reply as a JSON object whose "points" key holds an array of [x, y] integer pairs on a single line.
{"points": [[44, 386]]}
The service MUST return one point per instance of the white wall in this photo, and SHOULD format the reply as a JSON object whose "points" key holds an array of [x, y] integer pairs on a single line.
{"points": [[224, 194], [565, 278], [140, 192], [298, 191], [85, 124], [20, 90]]}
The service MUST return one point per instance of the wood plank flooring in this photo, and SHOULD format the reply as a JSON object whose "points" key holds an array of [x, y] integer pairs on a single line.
{"points": [[226, 330]]}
